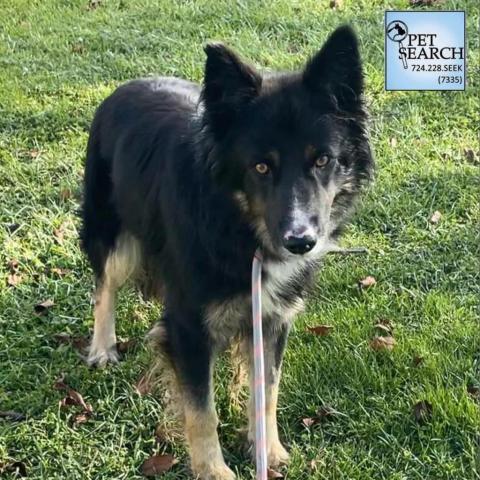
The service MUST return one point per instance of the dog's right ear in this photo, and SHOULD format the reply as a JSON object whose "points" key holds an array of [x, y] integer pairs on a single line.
{"points": [[229, 84]]}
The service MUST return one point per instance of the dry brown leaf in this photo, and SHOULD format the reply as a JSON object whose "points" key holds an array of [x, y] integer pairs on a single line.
{"points": [[422, 411], [336, 4], [471, 156], [18, 469], [383, 327], [425, 3], [127, 346], [34, 153], [382, 343], [82, 417], [325, 412], [78, 48], [309, 421], [43, 307], [65, 194], [73, 397], [12, 416], [418, 360], [273, 474], [13, 227], [78, 342], [321, 330], [61, 272], [143, 386], [157, 464], [13, 279], [436, 216], [474, 392], [367, 282], [59, 234], [13, 266]]}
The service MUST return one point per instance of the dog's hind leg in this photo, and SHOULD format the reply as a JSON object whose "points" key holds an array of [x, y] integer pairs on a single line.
{"points": [[120, 264]]}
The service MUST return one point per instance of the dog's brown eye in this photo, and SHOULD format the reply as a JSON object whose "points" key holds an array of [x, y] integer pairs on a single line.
{"points": [[321, 161], [262, 168]]}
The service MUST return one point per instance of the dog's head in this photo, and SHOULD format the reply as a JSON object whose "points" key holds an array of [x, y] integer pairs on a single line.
{"points": [[291, 147]]}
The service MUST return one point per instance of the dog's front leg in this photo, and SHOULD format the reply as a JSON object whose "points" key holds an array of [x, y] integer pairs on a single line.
{"points": [[192, 357], [274, 347]]}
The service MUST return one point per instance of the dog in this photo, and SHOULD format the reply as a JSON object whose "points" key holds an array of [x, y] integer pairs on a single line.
{"points": [[183, 183]]}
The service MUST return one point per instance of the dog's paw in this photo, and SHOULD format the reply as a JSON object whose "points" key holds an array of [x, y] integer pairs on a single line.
{"points": [[214, 472], [100, 357], [277, 454]]}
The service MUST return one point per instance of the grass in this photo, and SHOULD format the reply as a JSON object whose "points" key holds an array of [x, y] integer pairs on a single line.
{"points": [[58, 60]]}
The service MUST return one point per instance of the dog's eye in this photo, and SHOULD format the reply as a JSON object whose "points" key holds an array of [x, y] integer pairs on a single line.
{"points": [[262, 168], [321, 161]]}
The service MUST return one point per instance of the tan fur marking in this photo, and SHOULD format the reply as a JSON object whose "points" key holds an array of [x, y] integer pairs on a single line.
{"points": [[120, 265], [205, 452]]}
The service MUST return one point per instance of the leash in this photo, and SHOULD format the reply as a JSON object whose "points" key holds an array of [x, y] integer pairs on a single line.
{"points": [[259, 367]]}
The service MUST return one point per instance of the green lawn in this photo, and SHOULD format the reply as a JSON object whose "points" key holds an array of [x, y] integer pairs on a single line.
{"points": [[58, 60]]}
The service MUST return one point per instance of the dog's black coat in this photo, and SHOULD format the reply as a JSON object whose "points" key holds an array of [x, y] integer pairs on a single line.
{"points": [[164, 163]]}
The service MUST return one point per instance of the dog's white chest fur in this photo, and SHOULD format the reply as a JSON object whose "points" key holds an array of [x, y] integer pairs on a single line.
{"points": [[228, 318]]}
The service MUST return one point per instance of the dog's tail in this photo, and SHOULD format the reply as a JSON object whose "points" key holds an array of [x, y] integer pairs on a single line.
{"points": [[100, 221]]}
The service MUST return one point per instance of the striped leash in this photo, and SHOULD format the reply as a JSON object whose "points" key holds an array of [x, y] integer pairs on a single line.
{"points": [[260, 426]]}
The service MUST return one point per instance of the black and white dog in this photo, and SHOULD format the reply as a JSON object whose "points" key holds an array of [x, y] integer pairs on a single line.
{"points": [[183, 184]]}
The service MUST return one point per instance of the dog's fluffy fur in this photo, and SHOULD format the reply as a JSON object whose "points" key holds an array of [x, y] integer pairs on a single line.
{"points": [[183, 184]]}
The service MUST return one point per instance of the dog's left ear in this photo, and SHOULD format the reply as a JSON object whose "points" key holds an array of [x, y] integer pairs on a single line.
{"points": [[337, 69], [229, 84]]}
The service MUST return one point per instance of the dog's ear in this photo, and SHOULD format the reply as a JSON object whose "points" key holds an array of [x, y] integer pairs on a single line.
{"points": [[229, 84], [337, 69]]}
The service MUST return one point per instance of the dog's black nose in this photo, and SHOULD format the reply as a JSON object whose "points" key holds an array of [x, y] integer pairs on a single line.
{"points": [[299, 245]]}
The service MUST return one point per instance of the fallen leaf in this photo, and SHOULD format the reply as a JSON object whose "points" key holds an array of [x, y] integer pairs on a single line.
{"points": [[34, 153], [321, 330], [474, 392], [78, 48], [422, 411], [93, 4], [323, 413], [59, 234], [309, 421], [12, 416], [65, 194], [436, 216], [13, 279], [82, 417], [367, 282], [157, 464], [127, 346], [143, 386], [13, 227], [471, 156], [13, 266], [336, 4], [393, 142], [78, 342], [73, 397], [418, 360], [18, 469], [41, 308], [384, 328], [382, 343], [61, 272], [273, 474], [425, 3]]}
